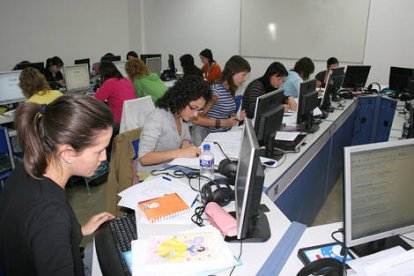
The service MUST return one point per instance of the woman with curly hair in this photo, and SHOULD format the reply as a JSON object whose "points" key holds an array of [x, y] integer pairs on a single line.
{"points": [[145, 83], [165, 134], [35, 87]]}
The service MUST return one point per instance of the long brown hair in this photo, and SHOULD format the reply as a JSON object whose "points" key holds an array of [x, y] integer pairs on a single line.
{"points": [[234, 65], [72, 119], [31, 81]]}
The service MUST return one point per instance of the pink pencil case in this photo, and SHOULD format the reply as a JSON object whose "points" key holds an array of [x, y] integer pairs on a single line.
{"points": [[222, 220]]}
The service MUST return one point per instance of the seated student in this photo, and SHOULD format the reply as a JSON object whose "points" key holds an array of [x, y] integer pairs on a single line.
{"points": [[35, 87], [210, 69], [220, 113], [52, 72], [131, 55], [145, 83], [165, 134], [322, 76], [95, 66], [302, 70], [115, 90], [39, 233], [270, 81], [187, 63]]}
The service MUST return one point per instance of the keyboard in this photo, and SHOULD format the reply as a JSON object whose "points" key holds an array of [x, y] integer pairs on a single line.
{"points": [[111, 240]]}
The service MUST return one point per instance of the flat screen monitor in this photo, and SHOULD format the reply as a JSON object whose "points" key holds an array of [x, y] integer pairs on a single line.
{"points": [[268, 117], [37, 65], [356, 76], [378, 191], [401, 80], [111, 58], [77, 78], [307, 102], [252, 223], [10, 91], [83, 61], [334, 82], [153, 63], [120, 65], [171, 64]]}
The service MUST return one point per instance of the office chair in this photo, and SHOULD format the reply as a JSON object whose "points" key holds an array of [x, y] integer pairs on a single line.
{"points": [[238, 100], [134, 113], [6, 156]]}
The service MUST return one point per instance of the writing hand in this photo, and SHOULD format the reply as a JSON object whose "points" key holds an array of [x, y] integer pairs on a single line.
{"points": [[94, 222]]}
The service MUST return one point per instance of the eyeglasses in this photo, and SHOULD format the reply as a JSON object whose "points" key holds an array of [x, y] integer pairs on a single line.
{"points": [[195, 109]]}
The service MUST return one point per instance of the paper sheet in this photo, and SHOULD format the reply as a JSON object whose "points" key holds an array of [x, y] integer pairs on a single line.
{"points": [[286, 136]]}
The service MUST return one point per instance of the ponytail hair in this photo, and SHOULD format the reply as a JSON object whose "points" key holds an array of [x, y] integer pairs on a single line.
{"points": [[71, 119]]}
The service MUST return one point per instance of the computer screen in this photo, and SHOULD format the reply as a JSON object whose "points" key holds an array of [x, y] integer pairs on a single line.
{"points": [[171, 64], [37, 65], [77, 77], [10, 91], [335, 80], [356, 76], [154, 64], [268, 117], [111, 58], [120, 65], [400, 79], [307, 102], [378, 194], [83, 61], [252, 223]]}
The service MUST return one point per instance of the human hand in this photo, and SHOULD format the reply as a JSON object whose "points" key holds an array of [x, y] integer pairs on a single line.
{"points": [[190, 152], [242, 115], [232, 121], [61, 82], [94, 222]]}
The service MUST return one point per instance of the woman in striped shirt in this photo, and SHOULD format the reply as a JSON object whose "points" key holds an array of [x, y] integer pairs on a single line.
{"points": [[220, 113]]}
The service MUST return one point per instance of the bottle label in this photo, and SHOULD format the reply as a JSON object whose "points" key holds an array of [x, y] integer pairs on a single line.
{"points": [[206, 163]]}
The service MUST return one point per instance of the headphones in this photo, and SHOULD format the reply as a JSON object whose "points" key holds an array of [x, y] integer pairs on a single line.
{"points": [[324, 266], [218, 191], [374, 90], [345, 94], [228, 168]]}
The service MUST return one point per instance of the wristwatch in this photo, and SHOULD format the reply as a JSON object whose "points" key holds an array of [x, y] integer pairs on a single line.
{"points": [[218, 123]]}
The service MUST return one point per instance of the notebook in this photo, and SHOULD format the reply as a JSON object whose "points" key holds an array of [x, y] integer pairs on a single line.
{"points": [[163, 207]]}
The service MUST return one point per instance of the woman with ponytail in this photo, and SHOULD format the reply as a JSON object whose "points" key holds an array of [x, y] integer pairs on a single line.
{"points": [[39, 233]]}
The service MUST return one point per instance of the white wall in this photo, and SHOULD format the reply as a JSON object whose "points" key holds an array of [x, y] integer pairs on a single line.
{"points": [[36, 30]]}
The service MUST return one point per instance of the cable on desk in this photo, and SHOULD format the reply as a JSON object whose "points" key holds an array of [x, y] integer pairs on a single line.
{"points": [[407, 238], [344, 249], [238, 258], [197, 216]]}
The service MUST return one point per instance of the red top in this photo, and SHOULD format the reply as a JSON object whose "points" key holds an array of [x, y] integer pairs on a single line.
{"points": [[115, 92], [211, 74]]}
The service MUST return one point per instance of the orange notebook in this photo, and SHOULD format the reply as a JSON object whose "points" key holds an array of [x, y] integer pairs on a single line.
{"points": [[163, 207]]}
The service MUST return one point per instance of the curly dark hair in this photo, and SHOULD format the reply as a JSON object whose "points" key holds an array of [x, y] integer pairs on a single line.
{"points": [[304, 66], [183, 92]]}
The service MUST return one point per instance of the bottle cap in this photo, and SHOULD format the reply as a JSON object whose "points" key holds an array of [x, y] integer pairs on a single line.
{"points": [[206, 147]]}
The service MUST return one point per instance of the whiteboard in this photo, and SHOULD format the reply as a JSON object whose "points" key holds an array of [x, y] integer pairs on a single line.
{"points": [[293, 29]]}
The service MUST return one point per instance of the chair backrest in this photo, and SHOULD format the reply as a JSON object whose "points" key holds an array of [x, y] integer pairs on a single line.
{"points": [[5, 148], [134, 113]]}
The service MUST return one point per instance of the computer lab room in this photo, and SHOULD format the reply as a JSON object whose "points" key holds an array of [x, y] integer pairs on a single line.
{"points": [[190, 137]]}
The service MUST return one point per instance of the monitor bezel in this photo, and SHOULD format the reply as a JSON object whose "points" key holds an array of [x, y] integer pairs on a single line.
{"points": [[348, 151], [351, 71], [331, 84], [83, 88], [16, 100]]}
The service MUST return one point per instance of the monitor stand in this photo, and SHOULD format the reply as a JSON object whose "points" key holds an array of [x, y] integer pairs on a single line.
{"points": [[379, 245], [259, 230]]}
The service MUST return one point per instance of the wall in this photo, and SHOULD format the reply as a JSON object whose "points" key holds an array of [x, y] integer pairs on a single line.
{"points": [[36, 30]]}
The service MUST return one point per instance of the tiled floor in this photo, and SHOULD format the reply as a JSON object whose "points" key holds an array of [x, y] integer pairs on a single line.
{"points": [[85, 206]]}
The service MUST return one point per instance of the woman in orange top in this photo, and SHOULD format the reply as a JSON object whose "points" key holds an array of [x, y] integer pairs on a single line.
{"points": [[211, 70]]}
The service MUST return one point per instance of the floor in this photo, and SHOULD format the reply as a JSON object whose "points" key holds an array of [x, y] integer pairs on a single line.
{"points": [[85, 206]]}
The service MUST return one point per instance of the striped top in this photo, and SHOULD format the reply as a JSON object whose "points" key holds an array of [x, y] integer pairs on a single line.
{"points": [[223, 108], [254, 90]]}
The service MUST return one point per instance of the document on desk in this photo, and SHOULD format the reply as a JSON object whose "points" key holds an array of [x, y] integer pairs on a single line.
{"points": [[393, 261], [286, 135], [201, 251]]}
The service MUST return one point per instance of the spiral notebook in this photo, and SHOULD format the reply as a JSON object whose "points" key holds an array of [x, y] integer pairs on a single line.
{"points": [[163, 207]]}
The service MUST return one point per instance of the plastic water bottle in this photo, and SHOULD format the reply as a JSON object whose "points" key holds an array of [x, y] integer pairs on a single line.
{"points": [[206, 165]]}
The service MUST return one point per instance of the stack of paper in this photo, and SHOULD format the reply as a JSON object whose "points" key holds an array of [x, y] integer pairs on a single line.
{"points": [[201, 251]]}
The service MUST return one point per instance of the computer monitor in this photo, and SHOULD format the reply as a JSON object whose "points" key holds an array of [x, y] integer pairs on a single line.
{"points": [[401, 80], [335, 80], [307, 102], [77, 78], [153, 62], [171, 65], [83, 61], [111, 58], [10, 91], [37, 65], [252, 223], [378, 191], [120, 65], [356, 76], [268, 117]]}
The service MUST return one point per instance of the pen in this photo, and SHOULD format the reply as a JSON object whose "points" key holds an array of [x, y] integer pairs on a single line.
{"points": [[166, 178], [194, 201]]}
